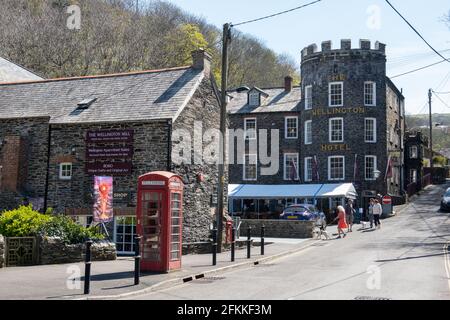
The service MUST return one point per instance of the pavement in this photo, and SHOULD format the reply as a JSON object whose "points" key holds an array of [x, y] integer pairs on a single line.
{"points": [[115, 279], [407, 259]]}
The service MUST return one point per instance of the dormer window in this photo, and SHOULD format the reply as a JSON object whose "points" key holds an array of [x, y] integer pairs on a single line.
{"points": [[253, 98]]}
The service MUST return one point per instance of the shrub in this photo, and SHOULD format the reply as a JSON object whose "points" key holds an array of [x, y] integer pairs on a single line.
{"points": [[68, 230], [22, 222]]}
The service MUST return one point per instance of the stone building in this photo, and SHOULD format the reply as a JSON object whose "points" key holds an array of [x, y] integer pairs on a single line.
{"points": [[415, 146], [52, 142], [350, 127]]}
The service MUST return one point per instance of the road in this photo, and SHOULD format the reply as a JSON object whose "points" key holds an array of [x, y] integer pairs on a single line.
{"points": [[406, 259]]}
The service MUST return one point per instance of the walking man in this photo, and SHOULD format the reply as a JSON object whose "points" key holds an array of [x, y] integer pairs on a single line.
{"points": [[349, 214], [377, 211]]}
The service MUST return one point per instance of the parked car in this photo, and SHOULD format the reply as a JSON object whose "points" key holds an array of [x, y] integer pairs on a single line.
{"points": [[445, 201], [305, 212]]}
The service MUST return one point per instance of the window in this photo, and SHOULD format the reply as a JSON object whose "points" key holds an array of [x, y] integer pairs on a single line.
{"points": [[413, 154], [413, 175], [370, 93], [308, 169], [336, 168], [370, 167], [253, 99], [250, 167], [308, 132], [308, 97], [370, 130], [250, 128], [291, 166], [334, 202], [336, 94], [124, 234], [291, 127], [336, 129], [65, 171]]}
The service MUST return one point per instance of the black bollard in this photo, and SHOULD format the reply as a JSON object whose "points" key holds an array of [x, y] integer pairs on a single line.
{"points": [[87, 269], [248, 241], [137, 261], [214, 246], [262, 239], [233, 242]]}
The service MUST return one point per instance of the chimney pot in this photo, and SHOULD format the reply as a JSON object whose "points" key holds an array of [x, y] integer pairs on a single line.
{"points": [[201, 61], [288, 83]]}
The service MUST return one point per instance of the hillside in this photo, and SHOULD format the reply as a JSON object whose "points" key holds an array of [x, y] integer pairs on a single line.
{"points": [[115, 36], [441, 136]]}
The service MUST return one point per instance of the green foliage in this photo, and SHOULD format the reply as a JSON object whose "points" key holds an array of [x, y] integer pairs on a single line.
{"points": [[68, 230], [25, 222], [22, 222], [440, 160]]}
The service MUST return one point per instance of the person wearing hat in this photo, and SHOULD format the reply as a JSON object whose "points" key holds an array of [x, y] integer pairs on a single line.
{"points": [[349, 214]]}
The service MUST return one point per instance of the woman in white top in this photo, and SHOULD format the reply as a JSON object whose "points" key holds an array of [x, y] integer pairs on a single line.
{"points": [[377, 211]]}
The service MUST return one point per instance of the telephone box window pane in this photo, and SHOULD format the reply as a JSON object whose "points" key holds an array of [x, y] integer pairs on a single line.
{"points": [[175, 238], [175, 229], [175, 247], [175, 255], [175, 213], [175, 221]]}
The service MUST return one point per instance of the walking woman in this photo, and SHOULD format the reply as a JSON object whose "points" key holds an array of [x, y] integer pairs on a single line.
{"points": [[342, 224], [377, 211], [371, 204]]}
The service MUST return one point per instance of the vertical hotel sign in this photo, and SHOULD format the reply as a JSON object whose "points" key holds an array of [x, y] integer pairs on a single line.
{"points": [[109, 152], [103, 205]]}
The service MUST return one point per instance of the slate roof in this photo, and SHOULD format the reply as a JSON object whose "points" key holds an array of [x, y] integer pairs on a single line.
{"points": [[10, 72], [278, 100], [146, 95]]}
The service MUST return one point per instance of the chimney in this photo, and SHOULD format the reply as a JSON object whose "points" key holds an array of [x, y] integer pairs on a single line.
{"points": [[201, 61], [288, 83]]}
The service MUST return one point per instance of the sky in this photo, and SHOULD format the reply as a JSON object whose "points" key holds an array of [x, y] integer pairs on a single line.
{"points": [[351, 19]]}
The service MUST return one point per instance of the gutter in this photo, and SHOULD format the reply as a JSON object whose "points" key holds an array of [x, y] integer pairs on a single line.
{"points": [[47, 174]]}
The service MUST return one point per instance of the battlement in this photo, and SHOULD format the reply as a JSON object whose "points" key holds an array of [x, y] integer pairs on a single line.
{"points": [[346, 45]]}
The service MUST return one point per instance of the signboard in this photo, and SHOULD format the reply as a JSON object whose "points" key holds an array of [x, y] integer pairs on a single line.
{"points": [[121, 196], [109, 136], [387, 200], [108, 152], [153, 183], [116, 168], [103, 195]]}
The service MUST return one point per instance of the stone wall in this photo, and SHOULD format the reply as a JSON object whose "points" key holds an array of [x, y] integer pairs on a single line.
{"points": [[278, 228], [54, 251], [2, 251]]}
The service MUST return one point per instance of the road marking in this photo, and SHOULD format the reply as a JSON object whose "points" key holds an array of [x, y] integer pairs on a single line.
{"points": [[447, 263]]}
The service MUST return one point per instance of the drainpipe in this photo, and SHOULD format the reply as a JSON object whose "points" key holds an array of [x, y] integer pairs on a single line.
{"points": [[47, 174], [169, 146]]}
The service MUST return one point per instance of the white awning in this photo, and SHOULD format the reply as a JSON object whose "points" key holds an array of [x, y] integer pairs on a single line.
{"points": [[265, 191]]}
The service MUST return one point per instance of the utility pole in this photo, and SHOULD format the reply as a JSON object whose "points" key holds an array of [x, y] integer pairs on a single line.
{"points": [[223, 123], [431, 128]]}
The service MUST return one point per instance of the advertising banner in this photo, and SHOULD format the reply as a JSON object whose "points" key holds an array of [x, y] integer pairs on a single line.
{"points": [[103, 195]]}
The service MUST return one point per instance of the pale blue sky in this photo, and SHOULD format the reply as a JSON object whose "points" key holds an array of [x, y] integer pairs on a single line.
{"points": [[348, 19]]}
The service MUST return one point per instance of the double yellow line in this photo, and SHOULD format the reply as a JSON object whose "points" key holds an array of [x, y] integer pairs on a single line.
{"points": [[447, 262]]}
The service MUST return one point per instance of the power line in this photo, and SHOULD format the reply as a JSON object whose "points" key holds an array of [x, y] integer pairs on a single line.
{"points": [[275, 14], [443, 102], [418, 69], [442, 92], [417, 32]]}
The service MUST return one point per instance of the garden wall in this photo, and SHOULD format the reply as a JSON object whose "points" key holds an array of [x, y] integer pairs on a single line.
{"points": [[54, 251], [2, 251], [279, 228]]}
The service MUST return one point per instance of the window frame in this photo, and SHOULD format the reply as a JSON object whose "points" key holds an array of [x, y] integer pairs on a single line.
{"points": [[244, 172], [308, 122], [61, 171], [374, 94], [286, 121], [375, 167], [330, 132], [411, 154], [254, 94], [285, 155], [374, 130], [308, 98], [306, 173], [343, 168], [330, 84], [247, 137]]}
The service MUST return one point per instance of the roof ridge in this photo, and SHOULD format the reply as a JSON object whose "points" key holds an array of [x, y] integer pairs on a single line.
{"points": [[100, 76]]}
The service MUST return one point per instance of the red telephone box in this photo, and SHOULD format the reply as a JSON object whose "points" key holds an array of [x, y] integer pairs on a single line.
{"points": [[159, 220]]}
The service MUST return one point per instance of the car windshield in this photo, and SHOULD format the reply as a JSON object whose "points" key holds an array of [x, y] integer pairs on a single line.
{"points": [[295, 210]]}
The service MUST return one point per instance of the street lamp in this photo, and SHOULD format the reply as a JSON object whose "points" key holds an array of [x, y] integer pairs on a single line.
{"points": [[376, 173]]}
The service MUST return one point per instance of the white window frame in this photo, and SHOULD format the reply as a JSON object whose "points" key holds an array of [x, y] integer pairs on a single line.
{"points": [[244, 173], [308, 97], [330, 135], [343, 168], [413, 177], [374, 93], [341, 83], [254, 95], [374, 130], [374, 168], [310, 160], [286, 120], [247, 137], [285, 155], [62, 171], [411, 153], [308, 123]]}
